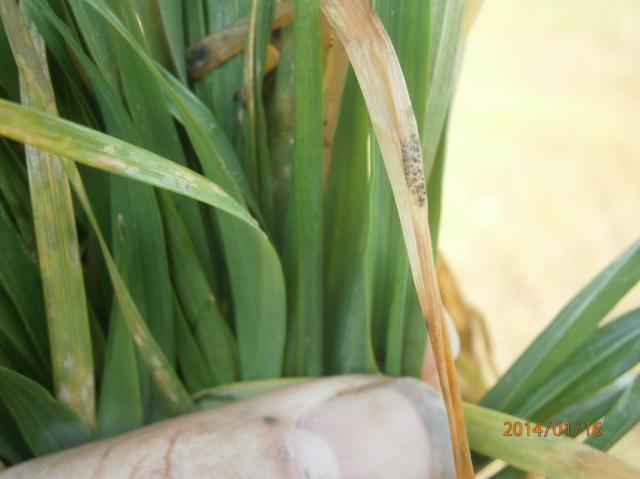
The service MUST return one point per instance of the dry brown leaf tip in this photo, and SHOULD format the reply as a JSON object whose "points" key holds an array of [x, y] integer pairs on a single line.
{"points": [[382, 83]]}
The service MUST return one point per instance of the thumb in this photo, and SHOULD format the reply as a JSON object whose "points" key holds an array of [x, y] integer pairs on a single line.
{"points": [[338, 427]]}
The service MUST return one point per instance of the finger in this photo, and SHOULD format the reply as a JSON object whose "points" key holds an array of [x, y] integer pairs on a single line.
{"points": [[340, 427]]}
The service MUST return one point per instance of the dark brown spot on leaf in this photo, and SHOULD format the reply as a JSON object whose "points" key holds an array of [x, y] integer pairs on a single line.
{"points": [[413, 173], [197, 57], [240, 96]]}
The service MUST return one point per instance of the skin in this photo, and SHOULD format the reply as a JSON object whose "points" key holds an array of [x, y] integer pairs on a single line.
{"points": [[351, 427]]}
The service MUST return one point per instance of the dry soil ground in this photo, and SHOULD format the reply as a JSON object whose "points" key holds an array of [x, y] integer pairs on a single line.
{"points": [[542, 186]]}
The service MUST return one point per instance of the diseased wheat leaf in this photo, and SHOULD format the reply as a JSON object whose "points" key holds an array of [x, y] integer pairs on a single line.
{"points": [[101, 151], [380, 77], [56, 235], [396, 310]]}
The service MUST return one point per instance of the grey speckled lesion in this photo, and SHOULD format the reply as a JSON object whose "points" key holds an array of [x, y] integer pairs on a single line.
{"points": [[413, 169]]}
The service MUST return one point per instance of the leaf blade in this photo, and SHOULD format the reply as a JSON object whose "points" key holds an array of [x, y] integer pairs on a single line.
{"points": [[557, 457], [567, 332], [389, 105], [100, 151], [623, 416], [303, 250], [46, 424], [56, 235]]}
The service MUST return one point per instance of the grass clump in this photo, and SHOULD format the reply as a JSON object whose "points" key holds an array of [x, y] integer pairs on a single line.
{"points": [[173, 229]]}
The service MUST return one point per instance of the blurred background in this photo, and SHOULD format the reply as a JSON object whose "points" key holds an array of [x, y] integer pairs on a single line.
{"points": [[542, 187]]}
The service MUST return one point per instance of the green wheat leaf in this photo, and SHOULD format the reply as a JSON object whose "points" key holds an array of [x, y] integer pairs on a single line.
{"points": [[566, 333], [56, 235], [45, 423]]}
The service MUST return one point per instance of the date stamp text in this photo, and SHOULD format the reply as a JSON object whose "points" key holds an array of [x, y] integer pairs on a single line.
{"points": [[552, 428]]}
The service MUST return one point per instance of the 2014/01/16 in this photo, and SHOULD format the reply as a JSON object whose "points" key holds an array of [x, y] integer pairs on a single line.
{"points": [[556, 428]]}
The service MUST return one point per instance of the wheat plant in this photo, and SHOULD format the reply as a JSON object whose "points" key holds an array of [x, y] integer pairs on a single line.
{"points": [[215, 194]]}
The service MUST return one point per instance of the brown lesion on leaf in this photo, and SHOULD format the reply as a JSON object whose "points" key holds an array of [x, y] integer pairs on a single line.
{"points": [[413, 171], [197, 57], [240, 96]]}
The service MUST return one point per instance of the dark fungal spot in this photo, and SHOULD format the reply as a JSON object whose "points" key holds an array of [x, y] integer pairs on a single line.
{"points": [[240, 96], [197, 57], [270, 420], [413, 174]]}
